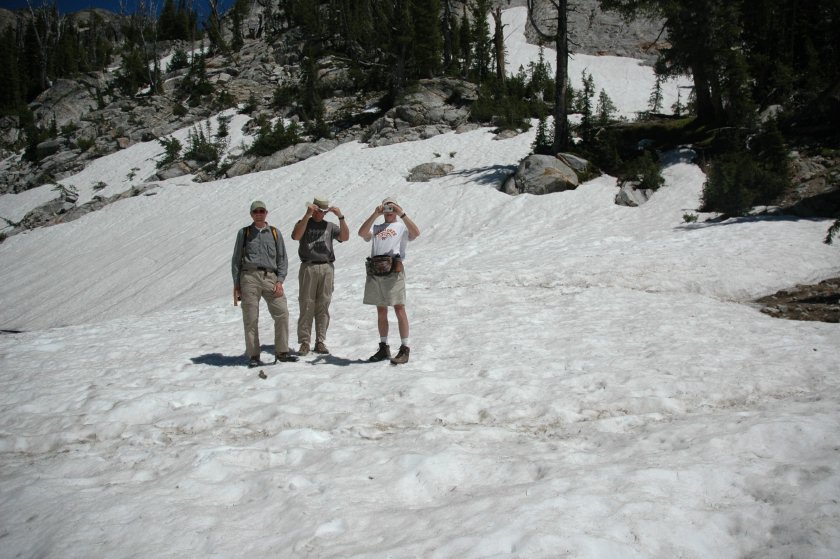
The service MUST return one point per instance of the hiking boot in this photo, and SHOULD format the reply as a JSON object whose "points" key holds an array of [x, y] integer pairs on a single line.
{"points": [[286, 358], [321, 348], [402, 356], [383, 353], [254, 362], [304, 349]]}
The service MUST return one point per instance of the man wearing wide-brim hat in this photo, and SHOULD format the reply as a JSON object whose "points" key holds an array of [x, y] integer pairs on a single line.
{"points": [[316, 277]]}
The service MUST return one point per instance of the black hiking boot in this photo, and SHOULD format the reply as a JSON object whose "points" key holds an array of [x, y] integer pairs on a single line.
{"points": [[285, 357], [402, 356], [254, 362], [383, 353]]}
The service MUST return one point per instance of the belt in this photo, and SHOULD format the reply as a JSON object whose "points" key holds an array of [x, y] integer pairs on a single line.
{"points": [[259, 269], [313, 262]]}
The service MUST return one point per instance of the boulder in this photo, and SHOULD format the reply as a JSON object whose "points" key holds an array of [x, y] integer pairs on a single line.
{"points": [[631, 196], [541, 174], [427, 171], [177, 169], [48, 147]]}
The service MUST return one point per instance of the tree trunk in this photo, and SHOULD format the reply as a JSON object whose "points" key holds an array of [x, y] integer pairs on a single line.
{"points": [[561, 79], [499, 45]]}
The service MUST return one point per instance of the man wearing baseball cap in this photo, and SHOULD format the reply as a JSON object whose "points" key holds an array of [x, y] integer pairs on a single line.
{"points": [[316, 276], [259, 267]]}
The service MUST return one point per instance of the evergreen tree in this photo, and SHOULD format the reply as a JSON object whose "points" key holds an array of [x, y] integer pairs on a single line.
{"points": [[481, 39], [427, 43], [584, 106], [168, 21], [455, 27], [561, 70], [605, 110], [11, 97], [466, 40], [655, 99]]}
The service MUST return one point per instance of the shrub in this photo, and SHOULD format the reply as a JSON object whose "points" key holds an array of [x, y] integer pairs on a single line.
{"points": [[85, 144], [832, 232], [201, 148], [172, 150], [271, 139], [179, 60], [744, 178], [645, 170]]}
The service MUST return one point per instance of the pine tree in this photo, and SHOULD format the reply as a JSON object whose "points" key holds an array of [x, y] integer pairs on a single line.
{"points": [[605, 110], [481, 39], [584, 106], [11, 97], [655, 99], [427, 41], [167, 21], [466, 41]]}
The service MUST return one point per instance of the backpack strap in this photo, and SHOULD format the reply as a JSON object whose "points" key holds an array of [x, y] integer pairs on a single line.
{"points": [[247, 230]]}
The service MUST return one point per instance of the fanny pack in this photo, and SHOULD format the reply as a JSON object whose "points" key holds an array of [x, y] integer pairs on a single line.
{"points": [[383, 265]]}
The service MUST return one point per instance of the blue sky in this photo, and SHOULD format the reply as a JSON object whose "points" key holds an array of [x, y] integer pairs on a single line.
{"points": [[68, 6]]}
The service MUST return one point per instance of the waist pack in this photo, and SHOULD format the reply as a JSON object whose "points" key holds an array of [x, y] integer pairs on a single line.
{"points": [[383, 265]]}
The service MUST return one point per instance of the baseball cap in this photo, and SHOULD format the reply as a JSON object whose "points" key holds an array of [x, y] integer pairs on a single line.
{"points": [[387, 202], [258, 204]]}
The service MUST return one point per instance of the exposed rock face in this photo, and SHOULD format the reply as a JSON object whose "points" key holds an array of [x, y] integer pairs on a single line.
{"points": [[434, 107], [820, 302], [541, 174], [597, 32], [816, 191], [64, 208], [67, 101]]}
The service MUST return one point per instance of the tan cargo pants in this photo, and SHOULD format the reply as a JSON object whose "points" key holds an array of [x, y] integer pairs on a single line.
{"points": [[254, 285], [315, 283]]}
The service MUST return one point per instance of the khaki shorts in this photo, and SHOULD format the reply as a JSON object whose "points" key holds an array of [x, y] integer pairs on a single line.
{"points": [[385, 291]]}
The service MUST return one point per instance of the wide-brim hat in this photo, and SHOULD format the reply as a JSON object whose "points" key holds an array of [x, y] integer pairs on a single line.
{"points": [[322, 203], [257, 204]]}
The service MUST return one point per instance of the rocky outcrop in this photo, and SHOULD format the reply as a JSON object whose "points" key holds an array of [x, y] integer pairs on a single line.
{"points": [[64, 209], [819, 302], [433, 107], [67, 101], [594, 31]]}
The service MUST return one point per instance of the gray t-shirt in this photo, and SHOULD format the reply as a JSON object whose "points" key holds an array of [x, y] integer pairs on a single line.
{"points": [[316, 244]]}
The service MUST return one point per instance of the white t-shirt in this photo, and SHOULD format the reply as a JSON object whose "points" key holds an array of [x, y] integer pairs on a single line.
{"points": [[389, 238]]}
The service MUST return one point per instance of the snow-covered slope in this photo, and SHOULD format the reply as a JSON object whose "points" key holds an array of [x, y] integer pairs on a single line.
{"points": [[586, 380]]}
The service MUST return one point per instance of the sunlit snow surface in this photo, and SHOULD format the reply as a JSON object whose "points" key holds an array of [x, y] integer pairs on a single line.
{"points": [[586, 380]]}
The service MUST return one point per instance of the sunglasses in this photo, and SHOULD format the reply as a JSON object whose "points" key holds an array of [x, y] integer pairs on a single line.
{"points": [[259, 211]]}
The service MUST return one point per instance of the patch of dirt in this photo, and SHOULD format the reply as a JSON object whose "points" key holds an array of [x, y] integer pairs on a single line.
{"points": [[820, 302]]}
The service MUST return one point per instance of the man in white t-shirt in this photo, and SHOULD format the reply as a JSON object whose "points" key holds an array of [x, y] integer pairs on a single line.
{"points": [[385, 283]]}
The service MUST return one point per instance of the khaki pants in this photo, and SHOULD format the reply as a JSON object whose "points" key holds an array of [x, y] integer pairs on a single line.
{"points": [[315, 282], [254, 285]]}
